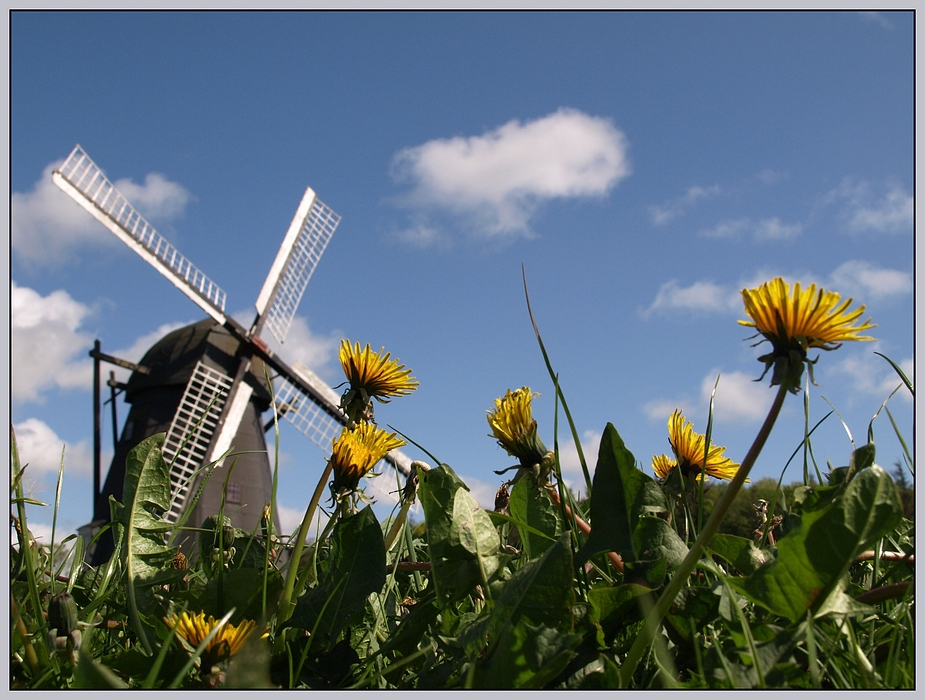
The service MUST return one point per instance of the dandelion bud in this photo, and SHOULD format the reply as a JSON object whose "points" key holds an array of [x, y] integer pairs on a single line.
{"points": [[62, 614]]}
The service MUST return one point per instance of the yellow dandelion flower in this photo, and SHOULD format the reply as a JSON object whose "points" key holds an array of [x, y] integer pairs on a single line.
{"points": [[512, 425], [228, 641], [356, 452], [688, 448], [795, 321], [371, 375]]}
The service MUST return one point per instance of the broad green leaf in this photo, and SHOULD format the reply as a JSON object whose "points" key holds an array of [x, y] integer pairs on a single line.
{"points": [[614, 607], [621, 495], [145, 496], [813, 558], [463, 542], [527, 656], [540, 591], [738, 551], [241, 589], [533, 506], [354, 569], [654, 539], [90, 675]]}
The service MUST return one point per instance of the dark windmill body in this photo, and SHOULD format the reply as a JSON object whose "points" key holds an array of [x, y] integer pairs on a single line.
{"points": [[208, 380]]}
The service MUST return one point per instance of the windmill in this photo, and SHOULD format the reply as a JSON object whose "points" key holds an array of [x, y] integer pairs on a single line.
{"points": [[211, 373]]}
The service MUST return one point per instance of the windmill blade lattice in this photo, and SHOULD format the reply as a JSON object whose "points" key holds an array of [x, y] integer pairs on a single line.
{"points": [[308, 236], [310, 417], [202, 403], [82, 179]]}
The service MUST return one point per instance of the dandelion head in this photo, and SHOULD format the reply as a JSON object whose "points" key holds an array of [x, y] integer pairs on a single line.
{"points": [[512, 425], [371, 375], [794, 320]]}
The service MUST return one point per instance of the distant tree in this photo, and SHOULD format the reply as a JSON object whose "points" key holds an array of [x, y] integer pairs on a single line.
{"points": [[906, 490]]}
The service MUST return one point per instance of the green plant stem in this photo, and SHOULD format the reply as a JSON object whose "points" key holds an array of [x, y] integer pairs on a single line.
{"points": [[398, 523], [286, 605], [25, 637], [679, 579]]}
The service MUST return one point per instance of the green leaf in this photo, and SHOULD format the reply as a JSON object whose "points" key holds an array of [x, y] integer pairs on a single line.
{"points": [[540, 591], [464, 544], [354, 569], [527, 656], [90, 674], [533, 506], [242, 590], [145, 496], [614, 607], [738, 551], [813, 558], [621, 495]]}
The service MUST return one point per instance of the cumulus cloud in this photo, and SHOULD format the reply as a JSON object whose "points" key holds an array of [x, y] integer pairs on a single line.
{"points": [[893, 212], [739, 399], [772, 229], [47, 348], [877, 18], [863, 280], [571, 464], [48, 228], [672, 209], [291, 518], [872, 375], [771, 177], [40, 447], [496, 181], [731, 228], [863, 211], [699, 296], [314, 350]]}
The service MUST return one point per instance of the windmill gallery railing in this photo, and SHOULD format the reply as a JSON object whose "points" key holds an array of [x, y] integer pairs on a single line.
{"points": [[85, 176]]}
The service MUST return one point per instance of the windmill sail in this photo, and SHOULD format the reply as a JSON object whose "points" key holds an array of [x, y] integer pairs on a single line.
{"points": [[202, 404], [308, 235], [224, 403], [80, 178]]}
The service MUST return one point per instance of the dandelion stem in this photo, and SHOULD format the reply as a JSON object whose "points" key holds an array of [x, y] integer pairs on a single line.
{"points": [[286, 606], [680, 576]]}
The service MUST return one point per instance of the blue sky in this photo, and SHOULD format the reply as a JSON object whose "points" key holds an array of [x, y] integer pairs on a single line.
{"points": [[642, 167]]}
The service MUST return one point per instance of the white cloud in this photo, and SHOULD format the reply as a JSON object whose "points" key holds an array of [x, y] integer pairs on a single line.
{"points": [[571, 465], [774, 230], [763, 230], [863, 211], [700, 296], [661, 409], [771, 177], [496, 181], [40, 447], [48, 228], [863, 280], [872, 375], [663, 213], [893, 212], [313, 350], [739, 399], [47, 348], [731, 228], [878, 18], [291, 518]]}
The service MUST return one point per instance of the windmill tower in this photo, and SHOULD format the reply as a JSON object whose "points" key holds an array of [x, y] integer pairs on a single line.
{"points": [[213, 372]]}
